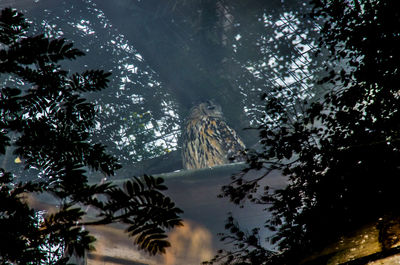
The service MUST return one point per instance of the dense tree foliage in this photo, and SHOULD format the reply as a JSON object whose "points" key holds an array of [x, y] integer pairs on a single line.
{"points": [[136, 117], [46, 122], [167, 56], [226, 50], [341, 155]]}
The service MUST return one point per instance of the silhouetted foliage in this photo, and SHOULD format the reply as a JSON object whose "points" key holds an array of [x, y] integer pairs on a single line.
{"points": [[180, 53], [46, 122], [135, 114], [341, 155], [248, 249]]}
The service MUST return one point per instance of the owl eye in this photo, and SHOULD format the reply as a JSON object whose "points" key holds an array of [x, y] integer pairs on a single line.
{"points": [[210, 107]]}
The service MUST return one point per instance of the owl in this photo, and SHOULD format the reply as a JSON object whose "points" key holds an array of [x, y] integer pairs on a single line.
{"points": [[207, 139]]}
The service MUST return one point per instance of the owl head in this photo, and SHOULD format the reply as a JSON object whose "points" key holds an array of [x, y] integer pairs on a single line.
{"points": [[206, 109]]}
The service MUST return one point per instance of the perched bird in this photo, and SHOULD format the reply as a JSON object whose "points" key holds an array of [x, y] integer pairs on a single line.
{"points": [[207, 139]]}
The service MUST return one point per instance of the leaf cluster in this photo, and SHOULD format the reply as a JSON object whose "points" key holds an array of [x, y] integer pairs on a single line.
{"points": [[341, 155], [132, 132], [247, 247], [46, 122]]}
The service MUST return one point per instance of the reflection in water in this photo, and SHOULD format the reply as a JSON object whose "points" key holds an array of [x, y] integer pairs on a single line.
{"points": [[190, 245]]}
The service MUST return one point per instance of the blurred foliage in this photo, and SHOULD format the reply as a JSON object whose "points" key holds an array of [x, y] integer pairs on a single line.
{"points": [[137, 119], [46, 122], [230, 51], [341, 155], [167, 56], [247, 247]]}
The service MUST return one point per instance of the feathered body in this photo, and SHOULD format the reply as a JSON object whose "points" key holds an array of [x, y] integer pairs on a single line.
{"points": [[207, 139]]}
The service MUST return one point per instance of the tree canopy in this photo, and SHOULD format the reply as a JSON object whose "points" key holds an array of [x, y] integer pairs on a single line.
{"points": [[341, 155], [167, 56], [46, 122]]}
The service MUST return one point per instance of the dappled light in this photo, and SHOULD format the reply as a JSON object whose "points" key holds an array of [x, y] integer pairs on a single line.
{"points": [[178, 132]]}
